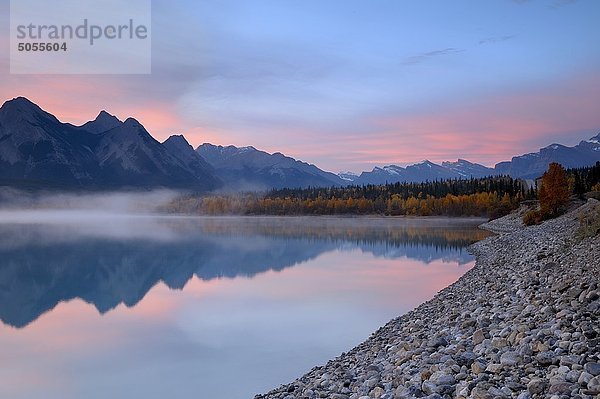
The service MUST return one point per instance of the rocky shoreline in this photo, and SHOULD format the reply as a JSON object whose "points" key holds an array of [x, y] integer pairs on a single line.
{"points": [[523, 323]]}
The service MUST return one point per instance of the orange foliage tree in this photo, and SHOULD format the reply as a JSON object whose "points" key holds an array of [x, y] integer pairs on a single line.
{"points": [[555, 191]]}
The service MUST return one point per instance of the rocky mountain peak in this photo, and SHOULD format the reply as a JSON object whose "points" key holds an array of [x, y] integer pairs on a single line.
{"points": [[20, 108], [103, 123], [178, 140], [132, 122], [177, 143], [595, 139], [105, 117]]}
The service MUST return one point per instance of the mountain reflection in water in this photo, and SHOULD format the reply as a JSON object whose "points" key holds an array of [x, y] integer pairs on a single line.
{"points": [[117, 259]]}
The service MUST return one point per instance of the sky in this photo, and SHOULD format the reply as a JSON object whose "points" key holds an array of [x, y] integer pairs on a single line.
{"points": [[351, 84]]}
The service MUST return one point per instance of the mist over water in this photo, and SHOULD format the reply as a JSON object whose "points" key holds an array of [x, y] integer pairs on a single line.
{"points": [[111, 300], [123, 202]]}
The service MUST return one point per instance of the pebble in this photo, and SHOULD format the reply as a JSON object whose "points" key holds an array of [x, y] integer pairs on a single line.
{"points": [[510, 359], [592, 368], [593, 385], [478, 337], [537, 385]]}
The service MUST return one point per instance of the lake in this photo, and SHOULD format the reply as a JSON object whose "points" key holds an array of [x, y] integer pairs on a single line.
{"points": [[102, 305]]}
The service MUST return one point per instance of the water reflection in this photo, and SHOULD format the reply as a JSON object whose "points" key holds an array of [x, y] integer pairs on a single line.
{"points": [[208, 307], [113, 260]]}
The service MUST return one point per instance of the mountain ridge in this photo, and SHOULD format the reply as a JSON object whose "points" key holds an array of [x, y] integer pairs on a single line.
{"points": [[38, 150], [261, 170], [526, 166], [104, 153]]}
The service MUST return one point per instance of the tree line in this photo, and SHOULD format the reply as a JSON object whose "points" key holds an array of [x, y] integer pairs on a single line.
{"points": [[490, 197], [584, 180]]}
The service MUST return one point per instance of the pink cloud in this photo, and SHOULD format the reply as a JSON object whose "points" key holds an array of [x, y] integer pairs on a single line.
{"points": [[78, 99], [484, 129], [490, 129], [72, 99]]}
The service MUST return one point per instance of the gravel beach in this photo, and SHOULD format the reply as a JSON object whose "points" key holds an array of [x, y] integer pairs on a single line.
{"points": [[523, 323]]}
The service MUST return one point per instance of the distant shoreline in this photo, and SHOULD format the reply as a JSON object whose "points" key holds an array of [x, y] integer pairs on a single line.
{"points": [[86, 215]]}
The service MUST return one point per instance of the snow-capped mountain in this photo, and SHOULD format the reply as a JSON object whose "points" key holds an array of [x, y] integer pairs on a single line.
{"points": [[386, 174], [528, 166], [466, 169], [427, 170], [593, 143], [249, 168], [534, 164], [348, 177], [422, 171]]}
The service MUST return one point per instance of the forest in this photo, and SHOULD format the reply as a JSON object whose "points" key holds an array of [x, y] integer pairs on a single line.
{"points": [[490, 197]]}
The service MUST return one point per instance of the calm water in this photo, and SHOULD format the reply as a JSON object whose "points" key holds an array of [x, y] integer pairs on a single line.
{"points": [[114, 306]]}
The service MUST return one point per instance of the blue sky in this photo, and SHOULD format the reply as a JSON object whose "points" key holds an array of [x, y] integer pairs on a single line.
{"points": [[353, 84]]}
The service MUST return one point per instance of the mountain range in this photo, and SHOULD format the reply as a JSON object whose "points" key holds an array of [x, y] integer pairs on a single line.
{"points": [[39, 151], [528, 166]]}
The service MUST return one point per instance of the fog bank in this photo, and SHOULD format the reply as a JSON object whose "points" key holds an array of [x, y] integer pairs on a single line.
{"points": [[12, 200]]}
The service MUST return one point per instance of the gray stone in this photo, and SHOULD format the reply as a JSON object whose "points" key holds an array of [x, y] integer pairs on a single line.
{"points": [[536, 386], [584, 378], [592, 368], [510, 359], [370, 383], [478, 367], [561, 388], [429, 387], [573, 375], [480, 393], [437, 342], [494, 368], [441, 378], [569, 360], [499, 343], [545, 358], [478, 337], [376, 393], [466, 358], [593, 385]]}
